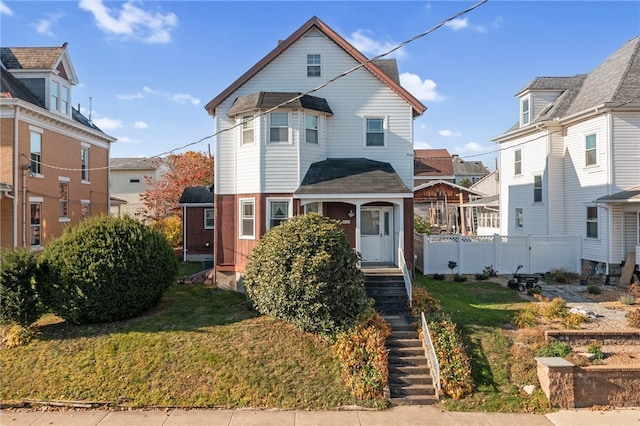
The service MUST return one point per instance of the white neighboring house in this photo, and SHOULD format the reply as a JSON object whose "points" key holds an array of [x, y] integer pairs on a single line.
{"points": [[127, 182], [571, 165]]}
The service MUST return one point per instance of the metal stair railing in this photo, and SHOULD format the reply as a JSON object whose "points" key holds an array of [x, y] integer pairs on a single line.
{"points": [[430, 353]]}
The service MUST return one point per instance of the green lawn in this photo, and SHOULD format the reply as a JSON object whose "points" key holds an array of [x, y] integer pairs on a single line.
{"points": [[482, 309], [200, 347]]}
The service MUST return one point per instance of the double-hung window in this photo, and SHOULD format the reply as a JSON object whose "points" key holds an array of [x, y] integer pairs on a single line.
{"points": [[592, 222], [208, 219], [36, 223], [311, 128], [248, 129], [278, 212], [64, 199], [279, 127], [84, 164], [525, 112], [36, 153], [375, 132], [247, 218], [55, 96], [537, 189], [517, 162], [313, 65], [590, 150]]}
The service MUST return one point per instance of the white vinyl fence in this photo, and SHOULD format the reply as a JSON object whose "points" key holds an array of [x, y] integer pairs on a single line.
{"points": [[537, 254]]}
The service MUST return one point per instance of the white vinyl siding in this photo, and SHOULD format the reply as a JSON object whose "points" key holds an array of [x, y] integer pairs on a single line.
{"points": [[626, 150]]}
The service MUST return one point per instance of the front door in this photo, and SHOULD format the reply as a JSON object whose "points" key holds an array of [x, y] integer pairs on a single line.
{"points": [[376, 234]]}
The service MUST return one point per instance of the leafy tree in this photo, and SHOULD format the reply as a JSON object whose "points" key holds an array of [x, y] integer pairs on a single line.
{"points": [[466, 182], [181, 170], [19, 302]]}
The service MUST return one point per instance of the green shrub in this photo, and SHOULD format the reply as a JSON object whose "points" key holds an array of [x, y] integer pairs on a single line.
{"points": [[455, 365], [19, 302], [554, 349], [527, 317], [627, 299], [555, 309], [438, 277], [422, 226], [594, 289], [561, 276], [460, 278], [482, 277], [363, 356], [106, 269], [596, 349], [304, 272], [534, 290]]}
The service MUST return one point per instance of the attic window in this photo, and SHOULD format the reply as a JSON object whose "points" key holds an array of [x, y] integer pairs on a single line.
{"points": [[525, 111], [313, 65]]}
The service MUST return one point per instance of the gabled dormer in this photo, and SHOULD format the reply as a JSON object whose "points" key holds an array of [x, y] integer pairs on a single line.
{"points": [[47, 72], [543, 98]]}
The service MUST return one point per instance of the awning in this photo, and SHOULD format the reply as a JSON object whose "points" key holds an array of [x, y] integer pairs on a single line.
{"points": [[631, 195]]}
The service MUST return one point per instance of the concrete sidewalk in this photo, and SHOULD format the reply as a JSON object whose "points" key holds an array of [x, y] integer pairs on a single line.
{"points": [[397, 416]]}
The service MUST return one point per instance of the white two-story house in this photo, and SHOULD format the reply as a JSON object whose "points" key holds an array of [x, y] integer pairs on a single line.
{"points": [[571, 165], [344, 150]]}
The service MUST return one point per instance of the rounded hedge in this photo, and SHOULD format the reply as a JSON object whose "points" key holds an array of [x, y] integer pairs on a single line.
{"points": [[305, 272], [19, 302], [106, 269]]}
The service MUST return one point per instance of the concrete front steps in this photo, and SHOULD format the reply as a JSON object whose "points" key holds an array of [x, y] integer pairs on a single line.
{"points": [[410, 381]]}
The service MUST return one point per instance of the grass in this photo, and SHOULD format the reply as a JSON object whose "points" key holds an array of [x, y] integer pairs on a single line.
{"points": [[200, 347], [481, 310]]}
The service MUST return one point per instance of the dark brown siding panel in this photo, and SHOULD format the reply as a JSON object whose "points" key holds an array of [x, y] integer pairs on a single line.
{"points": [[197, 236], [226, 229]]}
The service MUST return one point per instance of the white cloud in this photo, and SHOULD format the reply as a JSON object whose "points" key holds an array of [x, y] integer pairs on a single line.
{"points": [[148, 90], [130, 96], [183, 98], [447, 133], [140, 125], [5, 10], [421, 145], [372, 48], [423, 90], [44, 25], [107, 124], [463, 23], [474, 147], [131, 21], [126, 139]]}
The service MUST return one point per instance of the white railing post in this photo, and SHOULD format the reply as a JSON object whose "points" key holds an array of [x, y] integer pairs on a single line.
{"points": [[430, 352], [425, 250]]}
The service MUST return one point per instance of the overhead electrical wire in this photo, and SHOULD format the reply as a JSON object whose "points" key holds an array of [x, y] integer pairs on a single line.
{"points": [[315, 89]]}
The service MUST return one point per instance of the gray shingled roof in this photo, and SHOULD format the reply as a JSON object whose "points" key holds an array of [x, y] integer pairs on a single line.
{"points": [[10, 87], [462, 168], [267, 100], [616, 80], [197, 195], [389, 67], [631, 195], [351, 176], [132, 163]]}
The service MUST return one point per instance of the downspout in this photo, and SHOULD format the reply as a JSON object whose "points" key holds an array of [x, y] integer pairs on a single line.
{"points": [[25, 167], [184, 233], [15, 176]]}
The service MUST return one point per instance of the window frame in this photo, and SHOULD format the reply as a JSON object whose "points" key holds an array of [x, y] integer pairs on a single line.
{"points": [[36, 156], [519, 217], [63, 212], [241, 203], [84, 164], [368, 132], [537, 189], [315, 203], [525, 113], [517, 162], [271, 219], [206, 213], [588, 150], [590, 231], [244, 129], [272, 127], [85, 209], [314, 130], [37, 226], [314, 65]]}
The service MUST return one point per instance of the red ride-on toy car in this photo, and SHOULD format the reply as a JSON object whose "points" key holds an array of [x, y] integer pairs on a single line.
{"points": [[522, 282]]}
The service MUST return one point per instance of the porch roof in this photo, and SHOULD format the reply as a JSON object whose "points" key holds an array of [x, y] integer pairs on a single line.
{"points": [[351, 176], [631, 195]]}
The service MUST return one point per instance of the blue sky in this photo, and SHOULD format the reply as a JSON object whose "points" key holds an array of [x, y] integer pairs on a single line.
{"points": [[149, 67]]}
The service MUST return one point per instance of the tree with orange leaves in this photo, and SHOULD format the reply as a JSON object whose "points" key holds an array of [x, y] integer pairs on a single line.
{"points": [[179, 171]]}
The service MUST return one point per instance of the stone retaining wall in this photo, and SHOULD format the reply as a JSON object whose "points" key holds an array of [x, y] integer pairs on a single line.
{"points": [[588, 337], [568, 386]]}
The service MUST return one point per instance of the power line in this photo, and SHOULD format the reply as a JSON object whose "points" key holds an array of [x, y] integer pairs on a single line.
{"points": [[315, 89]]}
